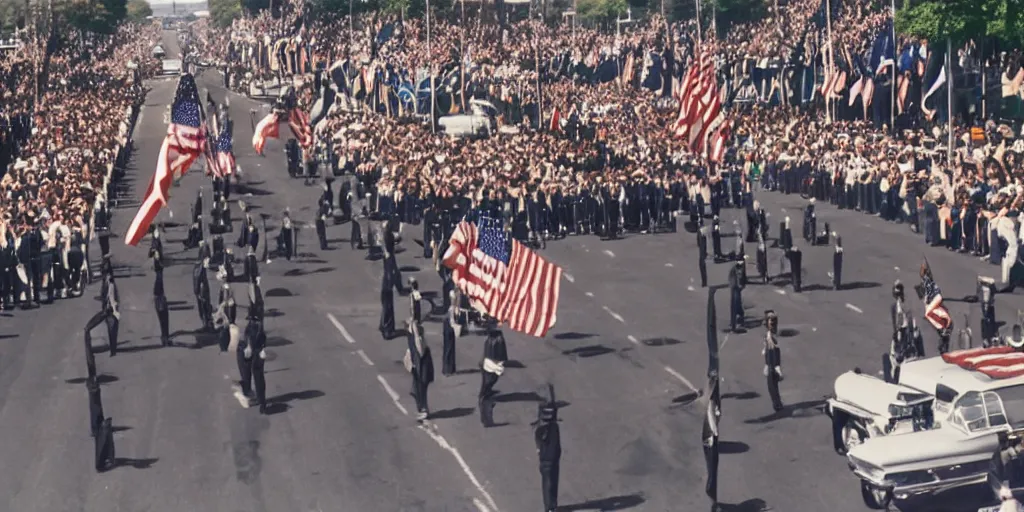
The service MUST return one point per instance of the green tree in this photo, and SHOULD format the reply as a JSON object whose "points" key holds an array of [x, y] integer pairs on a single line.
{"points": [[601, 11], [12, 16], [99, 16], [963, 19], [223, 12], [138, 10]]}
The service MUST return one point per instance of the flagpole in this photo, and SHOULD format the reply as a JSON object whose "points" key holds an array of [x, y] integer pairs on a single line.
{"points": [[699, 38], [462, 50], [430, 73], [949, 99], [830, 57], [892, 104]]}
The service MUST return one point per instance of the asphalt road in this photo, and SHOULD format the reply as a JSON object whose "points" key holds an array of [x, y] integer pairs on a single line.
{"points": [[626, 357]]}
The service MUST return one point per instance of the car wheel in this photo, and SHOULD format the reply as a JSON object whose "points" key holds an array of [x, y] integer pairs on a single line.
{"points": [[852, 436], [875, 498]]}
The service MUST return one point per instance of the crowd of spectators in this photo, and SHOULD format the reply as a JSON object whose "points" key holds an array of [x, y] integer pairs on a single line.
{"points": [[64, 130]]}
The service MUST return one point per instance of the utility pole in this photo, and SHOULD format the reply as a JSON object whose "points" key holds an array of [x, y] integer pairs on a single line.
{"points": [[697, 3], [895, 55], [950, 84], [430, 72], [462, 57]]}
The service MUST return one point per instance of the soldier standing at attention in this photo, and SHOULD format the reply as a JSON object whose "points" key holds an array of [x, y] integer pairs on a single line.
{"points": [[549, 449], [159, 298], [772, 358], [702, 253], [736, 285]]}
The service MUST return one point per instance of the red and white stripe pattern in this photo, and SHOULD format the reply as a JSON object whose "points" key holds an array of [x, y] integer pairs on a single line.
{"points": [[937, 314], [995, 362], [182, 145], [719, 140], [693, 89], [522, 293], [267, 128], [298, 121]]}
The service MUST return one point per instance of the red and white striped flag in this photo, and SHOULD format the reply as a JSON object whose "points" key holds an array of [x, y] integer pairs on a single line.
{"points": [[556, 120], [719, 140], [298, 121], [994, 362], [516, 286], [267, 128], [185, 141]]}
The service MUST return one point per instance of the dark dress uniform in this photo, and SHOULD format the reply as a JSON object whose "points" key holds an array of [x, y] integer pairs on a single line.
{"points": [[8, 261], [702, 255], [323, 212], [785, 235], [709, 437], [449, 337], [390, 262], [795, 258], [772, 359], [104, 443], [250, 357], [387, 304], [837, 265], [716, 240], [810, 226], [96, 416], [548, 438], [109, 315], [201, 289], [421, 367], [492, 365], [286, 238], [159, 298], [736, 285], [227, 313], [762, 259]]}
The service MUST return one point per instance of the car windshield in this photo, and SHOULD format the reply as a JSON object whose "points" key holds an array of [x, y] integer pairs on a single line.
{"points": [[976, 412]]}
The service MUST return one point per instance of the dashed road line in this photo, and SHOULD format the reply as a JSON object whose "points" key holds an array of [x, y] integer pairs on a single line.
{"points": [[366, 358], [724, 341], [480, 505], [609, 253], [690, 289], [614, 314], [780, 292], [669, 265], [392, 394], [632, 339], [443, 443], [854, 308], [341, 328], [569, 277], [682, 379], [591, 295]]}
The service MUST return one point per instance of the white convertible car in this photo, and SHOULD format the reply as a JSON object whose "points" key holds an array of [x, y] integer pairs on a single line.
{"points": [[936, 430]]}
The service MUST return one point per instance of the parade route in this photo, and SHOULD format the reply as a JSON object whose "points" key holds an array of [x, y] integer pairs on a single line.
{"points": [[627, 359]]}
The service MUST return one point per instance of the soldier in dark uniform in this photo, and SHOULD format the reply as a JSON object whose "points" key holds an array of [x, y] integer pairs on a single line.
{"points": [[195, 231], [795, 258], [810, 224], [736, 285], [387, 303], [548, 439], [716, 241], [709, 437], [415, 301], [987, 303], [36, 264], [96, 415], [702, 253], [762, 258], [785, 235], [8, 262], [323, 212], [252, 269], [356, 238], [738, 254], [250, 356], [390, 262], [109, 315], [421, 365], [837, 265], [449, 336], [772, 358], [104, 443], [159, 298], [492, 366], [227, 312], [201, 289]]}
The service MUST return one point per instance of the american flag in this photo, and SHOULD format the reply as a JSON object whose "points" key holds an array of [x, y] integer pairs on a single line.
{"points": [[224, 153], [185, 141], [298, 121], [513, 285], [994, 362], [267, 128], [935, 312]]}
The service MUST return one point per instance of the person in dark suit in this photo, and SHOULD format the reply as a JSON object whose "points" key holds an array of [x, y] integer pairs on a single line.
{"points": [[420, 364], [387, 304], [250, 356], [110, 315], [159, 298], [702, 253], [772, 358], [795, 258], [492, 366], [201, 289], [449, 337], [548, 439], [709, 438], [736, 285], [837, 265]]}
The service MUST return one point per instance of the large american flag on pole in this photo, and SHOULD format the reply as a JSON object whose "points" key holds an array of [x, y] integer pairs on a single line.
{"points": [[504, 280], [224, 154], [185, 141]]}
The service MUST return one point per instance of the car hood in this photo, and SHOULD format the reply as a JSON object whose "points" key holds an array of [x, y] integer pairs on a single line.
{"points": [[868, 393], [923, 450]]}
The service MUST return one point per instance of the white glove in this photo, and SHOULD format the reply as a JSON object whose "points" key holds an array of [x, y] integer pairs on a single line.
{"points": [[248, 353], [778, 371], [765, 370], [263, 354]]}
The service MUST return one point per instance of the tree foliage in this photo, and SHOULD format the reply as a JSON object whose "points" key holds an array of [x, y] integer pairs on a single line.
{"points": [[601, 10], [963, 19], [223, 12], [96, 16], [138, 10]]}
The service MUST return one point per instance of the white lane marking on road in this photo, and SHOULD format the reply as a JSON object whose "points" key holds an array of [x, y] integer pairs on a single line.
{"points": [[669, 265], [480, 505], [897, 269], [680, 377], [341, 328], [591, 295], [632, 339], [443, 443], [614, 314], [855, 308], [609, 253], [366, 358], [724, 341], [780, 292], [392, 394], [814, 329], [569, 277], [690, 289]]}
